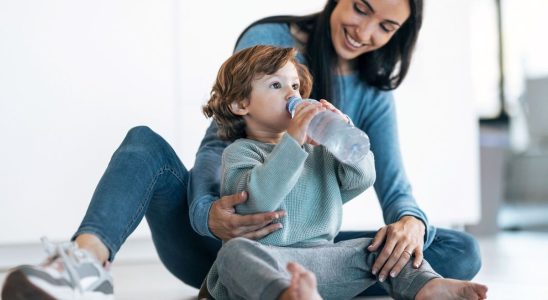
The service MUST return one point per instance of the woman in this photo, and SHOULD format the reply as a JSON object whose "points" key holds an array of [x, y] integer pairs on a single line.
{"points": [[357, 51]]}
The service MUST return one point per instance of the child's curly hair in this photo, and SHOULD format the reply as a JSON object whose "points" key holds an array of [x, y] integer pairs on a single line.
{"points": [[234, 84]]}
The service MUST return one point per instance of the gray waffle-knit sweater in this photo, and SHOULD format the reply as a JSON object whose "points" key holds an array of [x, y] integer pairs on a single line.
{"points": [[307, 181]]}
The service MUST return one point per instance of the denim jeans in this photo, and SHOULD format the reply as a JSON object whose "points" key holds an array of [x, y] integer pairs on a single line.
{"points": [[145, 178]]}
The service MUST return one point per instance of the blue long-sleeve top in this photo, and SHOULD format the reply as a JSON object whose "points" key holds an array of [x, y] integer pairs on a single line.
{"points": [[371, 109]]}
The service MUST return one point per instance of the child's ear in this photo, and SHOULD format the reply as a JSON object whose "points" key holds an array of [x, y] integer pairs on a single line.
{"points": [[239, 107]]}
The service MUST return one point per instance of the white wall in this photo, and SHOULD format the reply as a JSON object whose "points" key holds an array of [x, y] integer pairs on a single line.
{"points": [[75, 76]]}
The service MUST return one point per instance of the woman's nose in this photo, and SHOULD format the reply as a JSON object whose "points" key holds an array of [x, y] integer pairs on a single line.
{"points": [[365, 32]]}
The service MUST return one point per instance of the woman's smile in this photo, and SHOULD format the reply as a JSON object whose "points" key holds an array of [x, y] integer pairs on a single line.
{"points": [[354, 44]]}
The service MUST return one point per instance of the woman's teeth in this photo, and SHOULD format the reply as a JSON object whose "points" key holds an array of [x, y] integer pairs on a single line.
{"points": [[352, 41]]}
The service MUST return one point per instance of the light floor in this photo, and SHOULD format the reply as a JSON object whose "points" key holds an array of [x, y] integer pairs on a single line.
{"points": [[515, 266]]}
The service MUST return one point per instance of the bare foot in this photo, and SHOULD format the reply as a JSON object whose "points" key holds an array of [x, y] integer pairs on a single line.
{"points": [[303, 284], [450, 289]]}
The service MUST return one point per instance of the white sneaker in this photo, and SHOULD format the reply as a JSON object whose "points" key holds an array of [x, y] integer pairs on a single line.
{"points": [[68, 273]]}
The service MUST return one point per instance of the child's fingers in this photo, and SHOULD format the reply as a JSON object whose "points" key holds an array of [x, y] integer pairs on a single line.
{"points": [[307, 112], [327, 105], [303, 106], [295, 268], [332, 108]]}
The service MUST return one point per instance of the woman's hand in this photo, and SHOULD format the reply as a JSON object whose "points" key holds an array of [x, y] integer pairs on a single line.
{"points": [[401, 240], [225, 223]]}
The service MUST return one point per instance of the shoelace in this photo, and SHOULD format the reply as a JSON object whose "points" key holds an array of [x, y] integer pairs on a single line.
{"points": [[67, 252]]}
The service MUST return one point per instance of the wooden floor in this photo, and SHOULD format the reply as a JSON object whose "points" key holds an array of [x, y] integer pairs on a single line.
{"points": [[515, 266]]}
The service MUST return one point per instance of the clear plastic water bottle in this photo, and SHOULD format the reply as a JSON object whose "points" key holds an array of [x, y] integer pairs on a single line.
{"points": [[346, 142]]}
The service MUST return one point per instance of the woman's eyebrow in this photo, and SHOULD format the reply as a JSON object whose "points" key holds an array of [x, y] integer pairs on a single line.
{"points": [[366, 3]]}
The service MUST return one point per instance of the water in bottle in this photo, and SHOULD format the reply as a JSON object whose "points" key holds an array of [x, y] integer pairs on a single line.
{"points": [[346, 142]]}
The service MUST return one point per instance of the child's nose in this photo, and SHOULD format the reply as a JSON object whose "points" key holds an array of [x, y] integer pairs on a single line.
{"points": [[293, 93]]}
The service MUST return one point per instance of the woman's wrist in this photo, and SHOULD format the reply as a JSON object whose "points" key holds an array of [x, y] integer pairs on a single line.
{"points": [[415, 220]]}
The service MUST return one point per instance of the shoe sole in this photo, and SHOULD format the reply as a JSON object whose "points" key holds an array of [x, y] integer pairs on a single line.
{"points": [[18, 287]]}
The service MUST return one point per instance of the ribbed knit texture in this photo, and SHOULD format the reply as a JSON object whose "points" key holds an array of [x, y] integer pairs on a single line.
{"points": [[308, 182]]}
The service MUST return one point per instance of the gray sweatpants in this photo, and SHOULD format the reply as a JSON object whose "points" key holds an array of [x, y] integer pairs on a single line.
{"points": [[246, 269]]}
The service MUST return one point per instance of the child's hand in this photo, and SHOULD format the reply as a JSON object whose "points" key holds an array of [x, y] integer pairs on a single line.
{"points": [[304, 113], [332, 108]]}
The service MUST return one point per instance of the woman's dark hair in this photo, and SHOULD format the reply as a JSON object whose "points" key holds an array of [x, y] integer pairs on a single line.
{"points": [[384, 68]]}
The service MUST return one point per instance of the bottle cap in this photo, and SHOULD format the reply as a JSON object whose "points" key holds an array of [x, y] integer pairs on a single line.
{"points": [[294, 101], [292, 104]]}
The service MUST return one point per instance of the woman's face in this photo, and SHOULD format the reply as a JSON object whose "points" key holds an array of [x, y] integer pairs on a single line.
{"points": [[360, 26]]}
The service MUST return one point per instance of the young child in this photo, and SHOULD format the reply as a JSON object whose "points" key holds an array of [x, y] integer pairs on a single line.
{"points": [[274, 161]]}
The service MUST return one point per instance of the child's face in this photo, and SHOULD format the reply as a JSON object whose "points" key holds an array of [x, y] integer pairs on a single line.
{"points": [[266, 110]]}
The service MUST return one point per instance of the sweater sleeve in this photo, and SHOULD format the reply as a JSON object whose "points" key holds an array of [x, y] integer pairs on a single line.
{"points": [[267, 177], [204, 180], [355, 178], [392, 186]]}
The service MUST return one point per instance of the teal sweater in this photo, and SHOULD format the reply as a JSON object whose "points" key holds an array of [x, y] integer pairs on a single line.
{"points": [[307, 181]]}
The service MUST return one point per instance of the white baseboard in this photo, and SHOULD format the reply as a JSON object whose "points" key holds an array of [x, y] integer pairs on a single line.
{"points": [[134, 250]]}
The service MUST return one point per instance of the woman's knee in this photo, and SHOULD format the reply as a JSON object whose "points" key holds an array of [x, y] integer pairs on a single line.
{"points": [[471, 257], [454, 254], [142, 135], [142, 142]]}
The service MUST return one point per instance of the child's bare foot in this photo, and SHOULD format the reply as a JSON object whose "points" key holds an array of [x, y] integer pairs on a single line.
{"points": [[303, 284], [450, 289]]}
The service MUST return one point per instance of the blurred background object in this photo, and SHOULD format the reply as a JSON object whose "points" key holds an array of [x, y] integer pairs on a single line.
{"points": [[512, 105]]}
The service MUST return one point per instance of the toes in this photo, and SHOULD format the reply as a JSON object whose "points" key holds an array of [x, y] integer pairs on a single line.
{"points": [[481, 290], [474, 291], [295, 268], [291, 267], [309, 278]]}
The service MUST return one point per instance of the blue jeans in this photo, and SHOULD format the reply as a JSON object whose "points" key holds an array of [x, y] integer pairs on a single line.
{"points": [[145, 178]]}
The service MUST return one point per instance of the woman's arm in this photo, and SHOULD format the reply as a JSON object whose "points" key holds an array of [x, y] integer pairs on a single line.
{"points": [[204, 180], [214, 217]]}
